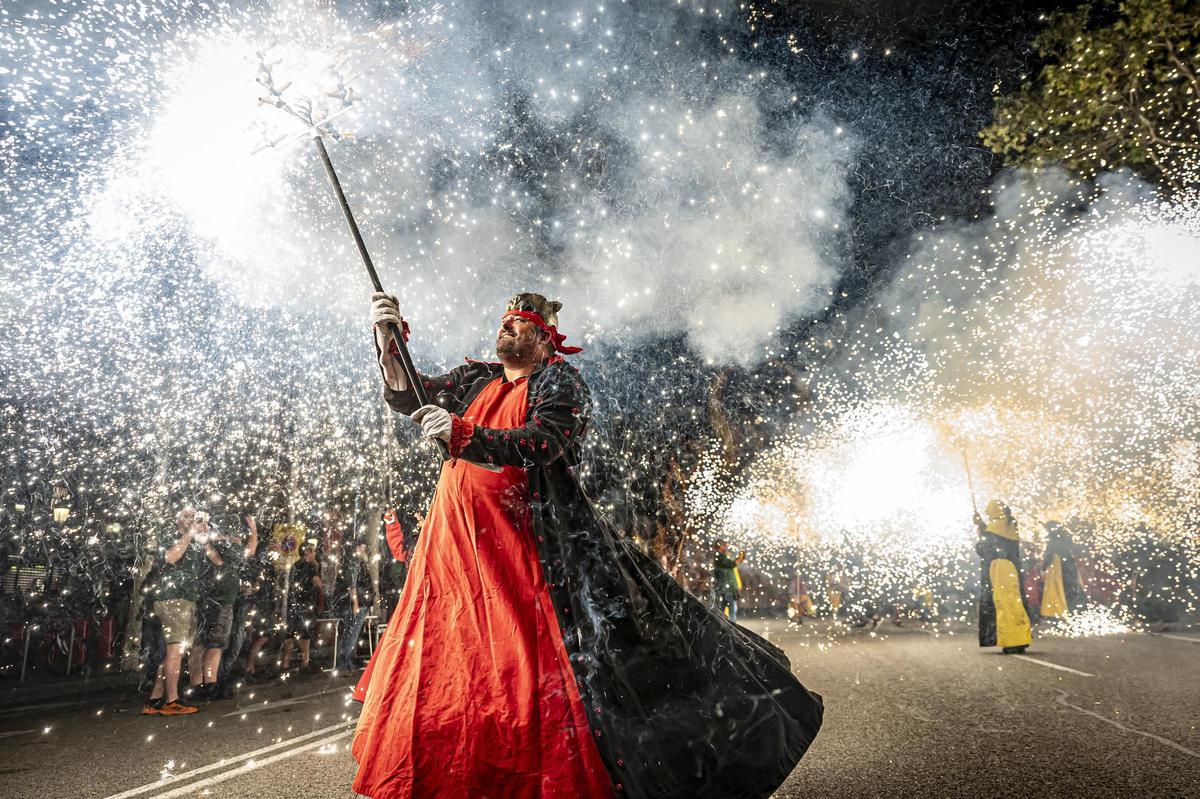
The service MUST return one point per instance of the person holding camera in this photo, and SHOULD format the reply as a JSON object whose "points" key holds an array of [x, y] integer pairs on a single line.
{"points": [[175, 607], [220, 585]]}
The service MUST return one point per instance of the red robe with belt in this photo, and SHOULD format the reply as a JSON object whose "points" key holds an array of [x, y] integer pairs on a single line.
{"points": [[471, 693]]}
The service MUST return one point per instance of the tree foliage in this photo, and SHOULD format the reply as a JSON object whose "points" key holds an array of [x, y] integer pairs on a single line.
{"points": [[1118, 88]]}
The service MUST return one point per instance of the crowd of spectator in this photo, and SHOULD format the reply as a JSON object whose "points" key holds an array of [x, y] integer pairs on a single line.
{"points": [[231, 607]]}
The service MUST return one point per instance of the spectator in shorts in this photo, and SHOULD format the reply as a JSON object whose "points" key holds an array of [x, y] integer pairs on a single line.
{"points": [[302, 605], [175, 607], [220, 585]]}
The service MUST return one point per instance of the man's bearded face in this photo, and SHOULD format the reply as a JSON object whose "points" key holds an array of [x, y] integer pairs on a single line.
{"points": [[518, 341]]}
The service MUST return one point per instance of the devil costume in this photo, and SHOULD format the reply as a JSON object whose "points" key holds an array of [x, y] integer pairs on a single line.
{"points": [[536, 652]]}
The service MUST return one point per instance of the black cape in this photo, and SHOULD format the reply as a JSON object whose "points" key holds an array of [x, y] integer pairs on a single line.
{"points": [[682, 702], [1072, 585], [991, 547]]}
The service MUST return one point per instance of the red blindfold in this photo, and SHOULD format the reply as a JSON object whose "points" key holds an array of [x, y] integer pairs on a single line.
{"points": [[555, 337]]}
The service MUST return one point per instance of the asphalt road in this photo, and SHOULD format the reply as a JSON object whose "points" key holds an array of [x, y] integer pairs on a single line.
{"points": [[910, 713]]}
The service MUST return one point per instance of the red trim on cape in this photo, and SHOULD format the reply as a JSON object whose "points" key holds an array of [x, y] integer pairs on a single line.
{"points": [[461, 431]]}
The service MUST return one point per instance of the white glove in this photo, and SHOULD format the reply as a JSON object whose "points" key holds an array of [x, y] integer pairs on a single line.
{"points": [[385, 312], [435, 422]]}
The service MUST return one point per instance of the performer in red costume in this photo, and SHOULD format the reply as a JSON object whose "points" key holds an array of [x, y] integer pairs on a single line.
{"points": [[535, 652]]}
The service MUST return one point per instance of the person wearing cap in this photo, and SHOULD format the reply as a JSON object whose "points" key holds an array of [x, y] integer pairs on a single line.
{"points": [[535, 651]]}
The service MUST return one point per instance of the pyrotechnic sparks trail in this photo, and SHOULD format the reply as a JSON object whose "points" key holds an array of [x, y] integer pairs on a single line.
{"points": [[1091, 621], [184, 318]]}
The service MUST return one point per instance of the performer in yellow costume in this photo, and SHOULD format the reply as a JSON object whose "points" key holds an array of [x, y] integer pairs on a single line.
{"points": [[1062, 590], [1003, 618]]}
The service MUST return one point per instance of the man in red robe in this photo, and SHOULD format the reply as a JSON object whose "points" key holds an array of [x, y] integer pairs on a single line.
{"points": [[534, 651]]}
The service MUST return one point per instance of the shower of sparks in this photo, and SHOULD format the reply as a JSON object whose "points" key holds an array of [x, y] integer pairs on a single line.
{"points": [[1092, 621], [1047, 343], [185, 320]]}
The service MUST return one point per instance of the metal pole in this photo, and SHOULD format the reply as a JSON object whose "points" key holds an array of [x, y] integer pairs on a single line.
{"points": [[414, 379], [418, 387], [25, 657], [336, 624]]}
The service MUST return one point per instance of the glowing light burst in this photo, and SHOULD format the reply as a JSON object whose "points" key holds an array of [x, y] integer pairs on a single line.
{"points": [[1047, 343], [209, 150], [883, 467], [240, 170], [879, 473]]}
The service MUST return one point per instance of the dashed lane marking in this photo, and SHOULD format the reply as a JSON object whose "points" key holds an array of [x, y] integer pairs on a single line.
{"points": [[229, 761], [251, 765], [38, 708], [266, 705], [1050, 665], [1062, 700], [269, 704]]}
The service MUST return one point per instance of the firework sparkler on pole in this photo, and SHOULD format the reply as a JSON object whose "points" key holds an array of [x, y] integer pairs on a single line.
{"points": [[970, 482], [302, 110]]}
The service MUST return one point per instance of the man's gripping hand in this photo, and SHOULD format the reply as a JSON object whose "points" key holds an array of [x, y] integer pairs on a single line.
{"points": [[435, 421], [385, 310]]}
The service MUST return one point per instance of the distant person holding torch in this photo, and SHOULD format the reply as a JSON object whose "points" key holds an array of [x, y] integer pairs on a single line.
{"points": [[1003, 619]]}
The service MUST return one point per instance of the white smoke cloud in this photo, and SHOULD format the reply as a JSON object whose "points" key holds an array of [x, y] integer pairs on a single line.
{"points": [[707, 218]]}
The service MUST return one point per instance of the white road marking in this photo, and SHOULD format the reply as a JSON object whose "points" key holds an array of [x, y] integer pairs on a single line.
{"points": [[19, 709], [15, 732], [1062, 700], [251, 765], [228, 761], [1190, 639], [266, 705], [1050, 665]]}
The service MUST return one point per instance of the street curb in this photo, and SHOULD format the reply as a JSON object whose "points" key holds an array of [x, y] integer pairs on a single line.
{"points": [[67, 689]]}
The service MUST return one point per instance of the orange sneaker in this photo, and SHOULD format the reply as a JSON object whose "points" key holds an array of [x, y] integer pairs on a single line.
{"points": [[177, 709], [153, 708]]}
